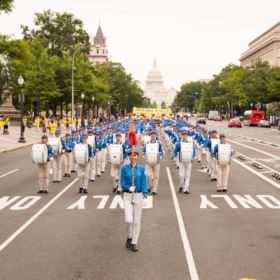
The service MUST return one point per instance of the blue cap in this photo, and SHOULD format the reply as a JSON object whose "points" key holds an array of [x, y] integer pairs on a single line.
{"points": [[118, 134], [67, 134], [185, 132], [153, 131], [214, 130], [84, 135], [57, 131], [45, 136], [81, 129], [73, 131], [210, 131], [88, 126], [97, 133], [135, 151], [108, 127], [222, 135]]}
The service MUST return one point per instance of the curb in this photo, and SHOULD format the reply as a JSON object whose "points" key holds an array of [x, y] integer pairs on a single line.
{"points": [[18, 148]]}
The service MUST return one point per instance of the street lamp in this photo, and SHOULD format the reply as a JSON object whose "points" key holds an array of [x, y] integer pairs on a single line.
{"points": [[251, 105], [20, 82], [83, 96], [92, 106]]}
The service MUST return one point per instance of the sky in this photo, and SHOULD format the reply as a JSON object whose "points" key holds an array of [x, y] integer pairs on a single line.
{"points": [[190, 39]]}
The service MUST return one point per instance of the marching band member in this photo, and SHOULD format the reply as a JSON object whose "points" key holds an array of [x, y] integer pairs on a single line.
{"points": [[103, 151], [98, 154], [176, 139], [133, 212], [44, 168], [208, 153], [116, 168], [184, 169], [57, 162], [92, 164], [153, 169], [204, 140], [68, 147], [72, 138], [222, 170], [83, 170], [213, 163]]}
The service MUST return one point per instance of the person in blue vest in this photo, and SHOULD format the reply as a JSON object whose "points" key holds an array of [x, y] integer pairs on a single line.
{"points": [[202, 143], [213, 163], [68, 147], [98, 153], [222, 170], [184, 168], [44, 168], [153, 168], [83, 169], [138, 192]]}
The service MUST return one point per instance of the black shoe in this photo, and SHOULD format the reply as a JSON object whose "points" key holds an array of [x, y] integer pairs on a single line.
{"points": [[134, 248], [186, 192], [172, 157], [40, 191], [54, 181], [202, 167], [180, 190], [102, 171], [75, 171], [72, 171], [128, 243], [92, 180], [85, 191], [216, 179], [177, 167], [46, 191], [65, 175], [207, 170], [224, 190], [149, 190], [80, 190], [69, 175], [154, 193], [114, 190], [58, 181], [119, 192], [199, 161], [218, 190], [98, 175]]}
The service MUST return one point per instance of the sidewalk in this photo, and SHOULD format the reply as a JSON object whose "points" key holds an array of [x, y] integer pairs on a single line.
{"points": [[10, 143]]}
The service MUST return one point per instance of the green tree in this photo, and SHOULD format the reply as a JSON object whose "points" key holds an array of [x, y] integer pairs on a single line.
{"points": [[154, 105], [163, 105], [146, 103], [61, 31], [4, 82], [6, 6]]}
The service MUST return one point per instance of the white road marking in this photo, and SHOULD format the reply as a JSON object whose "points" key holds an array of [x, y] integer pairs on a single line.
{"points": [[247, 200], [227, 199], [103, 200], [5, 202], [266, 171], [9, 173], [80, 203], [187, 247], [18, 206], [22, 228], [263, 198]]}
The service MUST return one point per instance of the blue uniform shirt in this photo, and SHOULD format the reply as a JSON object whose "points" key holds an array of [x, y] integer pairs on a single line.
{"points": [[50, 152], [70, 146], [140, 178], [214, 155]]}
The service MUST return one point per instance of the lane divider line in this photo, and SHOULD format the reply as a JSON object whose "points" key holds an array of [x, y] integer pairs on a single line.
{"points": [[9, 173], [187, 247], [22, 228]]}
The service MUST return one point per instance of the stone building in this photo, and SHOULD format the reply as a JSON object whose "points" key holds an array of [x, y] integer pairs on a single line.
{"points": [[265, 47], [155, 90], [98, 51]]}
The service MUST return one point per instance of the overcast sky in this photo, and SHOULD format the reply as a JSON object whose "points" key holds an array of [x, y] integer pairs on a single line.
{"points": [[190, 40]]}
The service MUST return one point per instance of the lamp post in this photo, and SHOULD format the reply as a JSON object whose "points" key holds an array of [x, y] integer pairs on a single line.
{"points": [[21, 138], [73, 68], [92, 106], [251, 105], [83, 96]]}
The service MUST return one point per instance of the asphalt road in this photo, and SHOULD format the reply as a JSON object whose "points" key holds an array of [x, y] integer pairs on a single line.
{"points": [[207, 235]]}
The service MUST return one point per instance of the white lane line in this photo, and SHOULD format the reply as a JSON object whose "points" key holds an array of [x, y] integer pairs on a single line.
{"points": [[187, 247], [257, 173], [254, 149], [266, 171], [9, 173], [13, 236]]}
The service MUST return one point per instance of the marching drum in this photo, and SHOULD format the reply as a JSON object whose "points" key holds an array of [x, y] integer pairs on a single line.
{"points": [[81, 154], [186, 153], [214, 142], [115, 154], [123, 138], [91, 141], [39, 153], [152, 153], [224, 154], [56, 145]]}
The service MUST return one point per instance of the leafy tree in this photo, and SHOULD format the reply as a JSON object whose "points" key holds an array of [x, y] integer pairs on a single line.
{"points": [[163, 105], [61, 31], [146, 103], [6, 6], [4, 82], [154, 105]]}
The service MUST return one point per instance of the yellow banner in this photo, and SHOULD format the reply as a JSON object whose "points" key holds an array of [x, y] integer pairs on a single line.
{"points": [[149, 111]]}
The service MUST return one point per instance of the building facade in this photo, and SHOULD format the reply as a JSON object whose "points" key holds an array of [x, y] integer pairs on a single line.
{"points": [[266, 47], [98, 51], [155, 90]]}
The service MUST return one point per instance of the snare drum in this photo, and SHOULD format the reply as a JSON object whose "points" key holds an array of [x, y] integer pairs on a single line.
{"points": [[81, 154], [39, 153], [56, 144]]}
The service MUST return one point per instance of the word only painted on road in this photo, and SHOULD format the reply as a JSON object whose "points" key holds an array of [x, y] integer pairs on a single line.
{"points": [[246, 201], [28, 201]]}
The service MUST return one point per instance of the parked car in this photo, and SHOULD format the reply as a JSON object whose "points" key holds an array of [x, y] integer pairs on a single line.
{"points": [[218, 118], [201, 120], [235, 122], [264, 123]]}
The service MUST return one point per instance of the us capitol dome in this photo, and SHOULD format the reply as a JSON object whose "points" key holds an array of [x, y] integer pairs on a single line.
{"points": [[155, 90]]}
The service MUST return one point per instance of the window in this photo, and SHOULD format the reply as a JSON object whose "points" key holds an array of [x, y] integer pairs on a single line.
{"points": [[103, 41], [103, 51], [97, 51]]}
